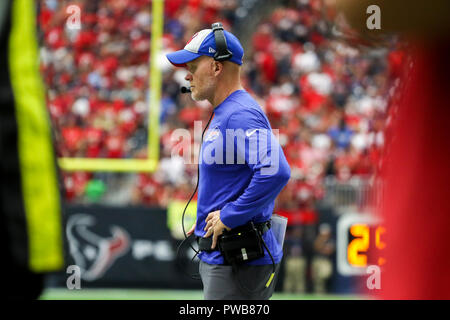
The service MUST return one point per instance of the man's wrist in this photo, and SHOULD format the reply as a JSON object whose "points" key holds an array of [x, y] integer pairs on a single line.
{"points": [[225, 217]]}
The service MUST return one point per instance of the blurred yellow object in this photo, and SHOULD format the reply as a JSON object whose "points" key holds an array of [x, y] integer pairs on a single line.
{"points": [[36, 155], [174, 216]]}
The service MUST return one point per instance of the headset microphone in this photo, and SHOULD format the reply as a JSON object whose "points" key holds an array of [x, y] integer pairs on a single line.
{"points": [[185, 89]]}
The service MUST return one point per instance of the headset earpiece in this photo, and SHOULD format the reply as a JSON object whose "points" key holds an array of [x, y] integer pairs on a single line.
{"points": [[222, 52]]}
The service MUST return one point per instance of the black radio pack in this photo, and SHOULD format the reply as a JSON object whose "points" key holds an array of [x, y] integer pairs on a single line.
{"points": [[241, 244]]}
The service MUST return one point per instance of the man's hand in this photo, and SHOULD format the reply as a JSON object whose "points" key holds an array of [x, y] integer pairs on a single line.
{"points": [[191, 230], [214, 226]]}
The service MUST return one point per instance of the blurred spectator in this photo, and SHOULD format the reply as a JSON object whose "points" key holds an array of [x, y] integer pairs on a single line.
{"points": [[322, 265], [295, 263], [341, 135]]}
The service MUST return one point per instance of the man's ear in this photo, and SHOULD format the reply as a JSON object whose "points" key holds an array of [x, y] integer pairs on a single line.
{"points": [[218, 67]]}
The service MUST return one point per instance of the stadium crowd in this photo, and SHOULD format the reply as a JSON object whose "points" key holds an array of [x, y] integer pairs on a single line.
{"points": [[326, 98]]}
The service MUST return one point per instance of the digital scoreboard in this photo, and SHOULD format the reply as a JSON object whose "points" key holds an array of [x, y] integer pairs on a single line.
{"points": [[359, 243]]}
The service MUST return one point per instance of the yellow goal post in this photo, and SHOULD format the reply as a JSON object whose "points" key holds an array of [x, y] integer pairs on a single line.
{"points": [[135, 165]]}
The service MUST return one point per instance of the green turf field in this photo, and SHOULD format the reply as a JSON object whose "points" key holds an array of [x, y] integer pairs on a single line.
{"points": [[134, 294]]}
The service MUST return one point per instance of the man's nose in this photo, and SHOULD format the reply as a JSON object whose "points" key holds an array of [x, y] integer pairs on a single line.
{"points": [[188, 77]]}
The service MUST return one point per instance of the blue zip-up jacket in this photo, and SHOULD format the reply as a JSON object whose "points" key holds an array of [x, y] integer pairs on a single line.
{"points": [[242, 170]]}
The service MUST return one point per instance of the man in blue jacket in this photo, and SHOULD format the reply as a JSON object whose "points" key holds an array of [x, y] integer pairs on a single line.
{"points": [[242, 168]]}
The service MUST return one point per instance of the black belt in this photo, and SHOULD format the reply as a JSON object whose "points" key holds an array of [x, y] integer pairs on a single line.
{"points": [[204, 244]]}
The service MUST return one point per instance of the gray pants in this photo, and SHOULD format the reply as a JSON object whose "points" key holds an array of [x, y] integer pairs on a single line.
{"points": [[248, 283]]}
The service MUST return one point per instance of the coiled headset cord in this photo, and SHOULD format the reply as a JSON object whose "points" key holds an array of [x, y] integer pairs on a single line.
{"points": [[194, 276]]}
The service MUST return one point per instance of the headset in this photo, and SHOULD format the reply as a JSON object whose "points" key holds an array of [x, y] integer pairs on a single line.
{"points": [[222, 52]]}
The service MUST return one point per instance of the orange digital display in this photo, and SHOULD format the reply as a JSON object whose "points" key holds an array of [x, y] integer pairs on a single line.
{"points": [[365, 241]]}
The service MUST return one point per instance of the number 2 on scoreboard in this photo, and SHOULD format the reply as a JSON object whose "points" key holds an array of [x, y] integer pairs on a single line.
{"points": [[360, 244], [357, 248]]}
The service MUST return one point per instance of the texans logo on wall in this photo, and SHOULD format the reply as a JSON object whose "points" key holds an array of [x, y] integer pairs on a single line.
{"points": [[121, 246], [92, 253]]}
